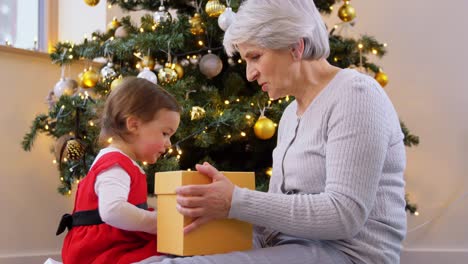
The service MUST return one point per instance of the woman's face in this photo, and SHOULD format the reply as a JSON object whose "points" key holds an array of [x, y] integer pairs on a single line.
{"points": [[273, 70]]}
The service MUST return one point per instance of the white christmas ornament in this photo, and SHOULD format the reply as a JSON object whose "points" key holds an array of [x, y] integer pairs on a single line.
{"points": [[226, 18], [148, 75], [65, 86], [210, 65], [121, 32]]}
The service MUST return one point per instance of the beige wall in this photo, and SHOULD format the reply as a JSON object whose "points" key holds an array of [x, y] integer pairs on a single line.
{"points": [[30, 204], [427, 68]]}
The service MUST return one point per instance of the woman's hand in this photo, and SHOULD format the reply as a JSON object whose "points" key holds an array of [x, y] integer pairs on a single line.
{"points": [[205, 202]]}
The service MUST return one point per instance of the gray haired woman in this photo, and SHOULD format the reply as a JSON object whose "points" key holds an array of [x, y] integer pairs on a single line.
{"points": [[337, 190]]}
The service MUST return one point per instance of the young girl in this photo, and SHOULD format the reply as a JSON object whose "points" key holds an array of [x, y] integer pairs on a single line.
{"points": [[110, 222]]}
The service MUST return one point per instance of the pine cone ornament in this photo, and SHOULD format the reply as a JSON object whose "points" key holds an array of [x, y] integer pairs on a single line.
{"points": [[74, 150]]}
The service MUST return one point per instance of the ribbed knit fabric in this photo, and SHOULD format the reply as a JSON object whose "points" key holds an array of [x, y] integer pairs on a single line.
{"points": [[345, 157]]}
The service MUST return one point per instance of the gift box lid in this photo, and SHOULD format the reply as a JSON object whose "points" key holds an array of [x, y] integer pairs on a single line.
{"points": [[167, 182]]}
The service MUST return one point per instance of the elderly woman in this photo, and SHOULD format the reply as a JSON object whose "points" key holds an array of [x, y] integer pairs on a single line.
{"points": [[337, 190]]}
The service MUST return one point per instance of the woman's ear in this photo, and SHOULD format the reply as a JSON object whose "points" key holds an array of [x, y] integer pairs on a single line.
{"points": [[297, 49], [132, 123]]}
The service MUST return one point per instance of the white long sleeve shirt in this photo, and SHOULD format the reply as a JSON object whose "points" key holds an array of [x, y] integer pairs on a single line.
{"points": [[112, 187]]}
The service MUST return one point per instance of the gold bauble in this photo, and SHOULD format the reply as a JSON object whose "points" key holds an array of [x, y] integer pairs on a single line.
{"points": [[114, 24], [197, 113], [74, 150], [167, 75], [147, 62], [91, 2], [116, 82], [381, 78], [264, 128], [89, 78], [346, 12], [197, 27], [179, 69], [214, 8]]}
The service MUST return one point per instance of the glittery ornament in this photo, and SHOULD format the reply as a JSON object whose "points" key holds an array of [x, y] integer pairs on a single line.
{"points": [[214, 8], [167, 75], [197, 112], [197, 27], [161, 15], [108, 72]]}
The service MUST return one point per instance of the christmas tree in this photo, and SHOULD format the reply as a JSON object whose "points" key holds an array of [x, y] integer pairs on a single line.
{"points": [[225, 120]]}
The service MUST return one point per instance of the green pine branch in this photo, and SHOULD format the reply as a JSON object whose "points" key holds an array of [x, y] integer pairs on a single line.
{"points": [[409, 139], [37, 126]]}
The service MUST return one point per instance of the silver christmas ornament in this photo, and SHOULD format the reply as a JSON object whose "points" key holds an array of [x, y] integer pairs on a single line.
{"points": [[108, 72], [121, 32], [65, 86], [210, 65], [161, 15], [194, 59], [184, 62]]}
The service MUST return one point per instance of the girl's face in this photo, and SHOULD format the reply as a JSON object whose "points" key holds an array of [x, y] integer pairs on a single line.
{"points": [[150, 140]]}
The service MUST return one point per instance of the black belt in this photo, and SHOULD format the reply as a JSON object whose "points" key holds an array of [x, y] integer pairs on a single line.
{"points": [[84, 218]]}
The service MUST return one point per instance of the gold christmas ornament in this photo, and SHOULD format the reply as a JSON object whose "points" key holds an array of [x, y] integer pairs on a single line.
{"points": [[197, 113], [264, 128], [74, 150], [91, 2], [147, 62], [214, 8], [179, 69], [381, 78], [89, 78], [346, 12], [167, 75], [197, 27], [116, 82], [114, 24]]}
